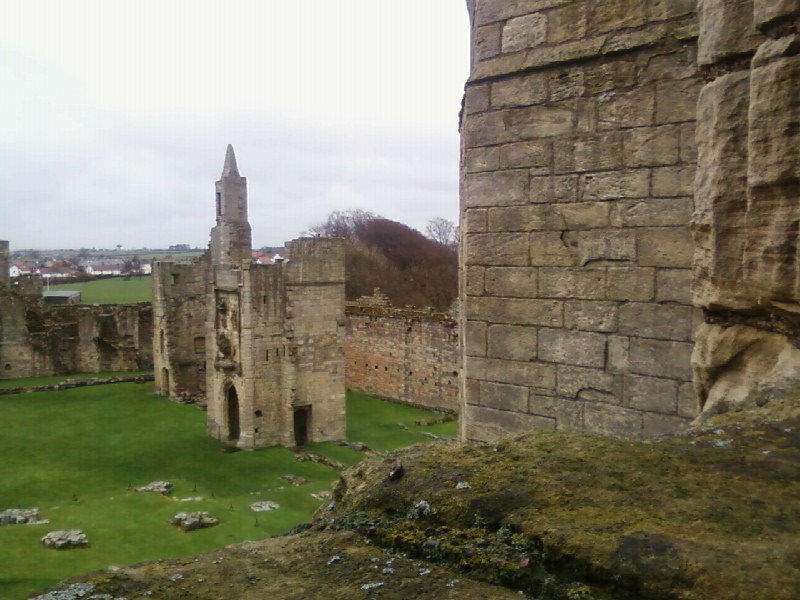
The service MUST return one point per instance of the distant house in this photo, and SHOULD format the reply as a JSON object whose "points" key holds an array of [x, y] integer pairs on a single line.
{"points": [[55, 272], [20, 269], [146, 268], [104, 269], [260, 258]]}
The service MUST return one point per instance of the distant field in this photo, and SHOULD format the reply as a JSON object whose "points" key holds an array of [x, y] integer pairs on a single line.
{"points": [[75, 454], [116, 290]]}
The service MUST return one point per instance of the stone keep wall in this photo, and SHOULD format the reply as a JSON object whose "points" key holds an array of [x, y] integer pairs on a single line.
{"points": [[578, 156], [409, 356], [38, 340], [179, 335], [5, 263], [747, 202]]}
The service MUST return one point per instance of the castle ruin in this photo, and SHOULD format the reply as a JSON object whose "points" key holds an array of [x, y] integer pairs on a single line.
{"points": [[629, 212], [259, 346]]}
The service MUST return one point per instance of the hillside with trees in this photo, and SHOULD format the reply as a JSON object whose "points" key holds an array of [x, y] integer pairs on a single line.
{"points": [[410, 268]]}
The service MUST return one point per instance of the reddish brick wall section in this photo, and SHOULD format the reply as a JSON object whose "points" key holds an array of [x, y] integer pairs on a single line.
{"points": [[409, 356]]}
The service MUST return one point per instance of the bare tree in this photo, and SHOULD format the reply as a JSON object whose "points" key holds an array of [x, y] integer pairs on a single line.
{"points": [[443, 231], [343, 223]]}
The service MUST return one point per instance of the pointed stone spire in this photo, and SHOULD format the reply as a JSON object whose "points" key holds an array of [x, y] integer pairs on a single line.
{"points": [[230, 168]]}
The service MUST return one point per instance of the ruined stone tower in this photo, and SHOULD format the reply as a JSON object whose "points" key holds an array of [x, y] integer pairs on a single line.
{"points": [[4, 263], [260, 345]]}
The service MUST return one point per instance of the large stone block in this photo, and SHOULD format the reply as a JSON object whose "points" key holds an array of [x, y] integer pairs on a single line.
{"points": [[536, 122], [726, 30], [721, 190], [475, 338], [610, 15], [548, 248], [519, 282], [673, 181], [572, 347], [483, 424], [676, 100], [595, 385], [588, 284], [504, 397], [530, 217], [630, 283], [535, 375], [651, 146], [559, 188], [512, 342], [524, 32], [665, 247], [516, 311], [597, 246], [500, 188], [651, 394], [767, 12], [660, 358], [615, 185], [612, 420], [635, 108], [662, 321], [587, 315], [600, 153], [580, 215], [525, 155], [496, 249], [771, 255], [566, 23], [652, 212], [674, 285], [485, 158], [523, 90]]}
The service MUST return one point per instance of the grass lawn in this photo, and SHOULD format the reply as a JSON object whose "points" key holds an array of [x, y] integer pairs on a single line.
{"points": [[116, 290], [75, 454], [54, 379]]}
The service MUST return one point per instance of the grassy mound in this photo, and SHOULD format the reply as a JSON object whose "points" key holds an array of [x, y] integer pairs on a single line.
{"points": [[77, 453], [714, 514]]}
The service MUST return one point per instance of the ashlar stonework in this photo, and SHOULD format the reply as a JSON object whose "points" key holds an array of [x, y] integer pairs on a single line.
{"points": [[630, 201], [259, 346]]}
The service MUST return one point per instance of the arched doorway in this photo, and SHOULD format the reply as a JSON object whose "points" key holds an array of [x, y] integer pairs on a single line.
{"points": [[232, 401]]}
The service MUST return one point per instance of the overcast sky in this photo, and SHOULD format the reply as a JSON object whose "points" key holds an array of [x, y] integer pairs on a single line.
{"points": [[115, 115]]}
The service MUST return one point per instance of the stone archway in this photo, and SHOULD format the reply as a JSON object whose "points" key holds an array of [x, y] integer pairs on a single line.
{"points": [[232, 407]]}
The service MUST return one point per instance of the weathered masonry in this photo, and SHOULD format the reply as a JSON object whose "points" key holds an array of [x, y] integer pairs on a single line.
{"points": [[409, 356], [38, 340], [260, 346], [588, 218]]}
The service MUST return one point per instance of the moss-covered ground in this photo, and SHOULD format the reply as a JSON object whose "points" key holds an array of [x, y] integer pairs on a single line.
{"points": [[76, 454], [113, 290], [713, 514]]}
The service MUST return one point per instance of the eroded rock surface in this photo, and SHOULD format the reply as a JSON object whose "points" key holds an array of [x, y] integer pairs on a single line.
{"points": [[191, 521], [65, 539]]}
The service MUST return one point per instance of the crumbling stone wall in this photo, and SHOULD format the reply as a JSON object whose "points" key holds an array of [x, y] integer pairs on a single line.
{"points": [[179, 334], [747, 202], [260, 346], [5, 263], [578, 157], [409, 356], [38, 340]]}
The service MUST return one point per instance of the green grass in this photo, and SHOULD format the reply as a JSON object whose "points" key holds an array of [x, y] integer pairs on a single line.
{"points": [[74, 454], [115, 290], [54, 379]]}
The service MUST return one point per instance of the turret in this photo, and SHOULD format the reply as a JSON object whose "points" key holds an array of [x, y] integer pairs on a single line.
{"points": [[231, 237]]}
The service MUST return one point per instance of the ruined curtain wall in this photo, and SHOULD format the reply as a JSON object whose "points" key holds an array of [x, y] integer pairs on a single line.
{"points": [[403, 355], [39, 340], [747, 195], [578, 157]]}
